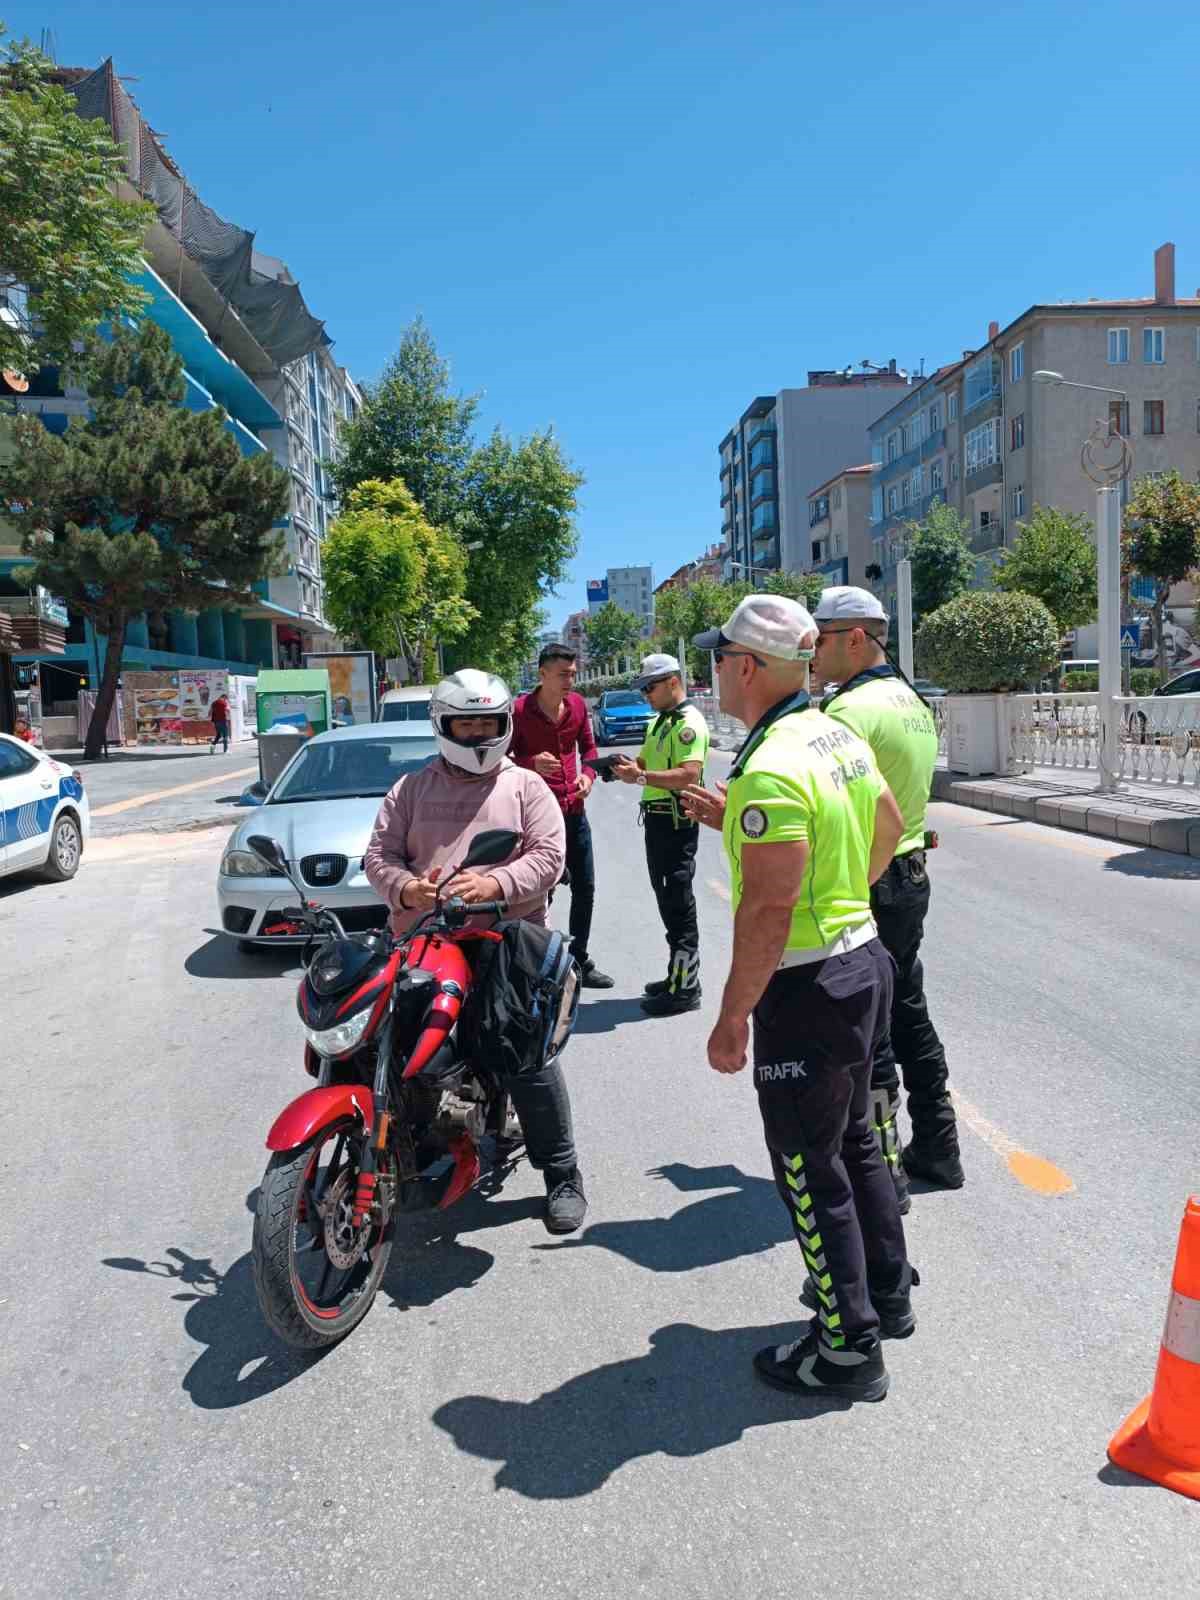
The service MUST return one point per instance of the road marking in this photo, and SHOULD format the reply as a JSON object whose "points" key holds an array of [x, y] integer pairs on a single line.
{"points": [[1035, 1172], [165, 794], [720, 888]]}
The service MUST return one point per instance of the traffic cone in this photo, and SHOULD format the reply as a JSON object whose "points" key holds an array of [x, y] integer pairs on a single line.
{"points": [[1161, 1439]]}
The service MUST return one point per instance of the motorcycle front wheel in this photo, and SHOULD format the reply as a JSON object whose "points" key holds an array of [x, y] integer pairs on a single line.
{"points": [[317, 1275]]}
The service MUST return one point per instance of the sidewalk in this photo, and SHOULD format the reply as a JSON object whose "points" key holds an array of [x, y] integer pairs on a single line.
{"points": [[153, 752], [1141, 814]]}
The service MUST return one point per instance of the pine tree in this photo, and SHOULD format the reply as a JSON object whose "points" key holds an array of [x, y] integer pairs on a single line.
{"points": [[142, 506]]}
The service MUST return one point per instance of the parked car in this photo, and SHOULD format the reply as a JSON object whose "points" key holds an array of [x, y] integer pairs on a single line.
{"points": [[408, 705], [621, 714], [44, 816], [320, 810], [1173, 708], [927, 690]]}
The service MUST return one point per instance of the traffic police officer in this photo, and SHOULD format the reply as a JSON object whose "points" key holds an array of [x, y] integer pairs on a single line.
{"points": [[672, 757], [808, 822], [880, 706]]}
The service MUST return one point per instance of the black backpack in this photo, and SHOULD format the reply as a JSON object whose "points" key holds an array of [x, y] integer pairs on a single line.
{"points": [[523, 1000]]}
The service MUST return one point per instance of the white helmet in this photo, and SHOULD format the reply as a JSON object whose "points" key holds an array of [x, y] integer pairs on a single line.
{"points": [[471, 693]]}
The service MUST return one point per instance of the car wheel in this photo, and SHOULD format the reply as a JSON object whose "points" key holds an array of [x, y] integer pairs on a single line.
{"points": [[66, 850]]}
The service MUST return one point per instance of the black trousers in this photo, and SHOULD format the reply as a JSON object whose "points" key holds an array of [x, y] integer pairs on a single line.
{"points": [[540, 1099], [900, 901], [220, 736], [671, 860], [815, 1033], [581, 867]]}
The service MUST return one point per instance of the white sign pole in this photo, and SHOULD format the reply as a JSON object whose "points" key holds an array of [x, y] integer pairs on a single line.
{"points": [[904, 618]]}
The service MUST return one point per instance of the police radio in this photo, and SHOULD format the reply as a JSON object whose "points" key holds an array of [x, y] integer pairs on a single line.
{"points": [[931, 839]]}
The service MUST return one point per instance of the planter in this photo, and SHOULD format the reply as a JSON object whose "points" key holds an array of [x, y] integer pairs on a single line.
{"points": [[977, 735]]}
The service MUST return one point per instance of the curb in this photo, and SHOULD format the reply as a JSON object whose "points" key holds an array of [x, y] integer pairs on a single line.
{"points": [[1127, 821]]}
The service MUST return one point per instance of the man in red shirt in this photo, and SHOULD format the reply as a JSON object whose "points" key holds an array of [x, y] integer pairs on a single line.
{"points": [[552, 736], [218, 714]]}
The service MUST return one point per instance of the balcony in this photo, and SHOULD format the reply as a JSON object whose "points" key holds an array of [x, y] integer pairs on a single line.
{"points": [[765, 430], [987, 538], [38, 621]]}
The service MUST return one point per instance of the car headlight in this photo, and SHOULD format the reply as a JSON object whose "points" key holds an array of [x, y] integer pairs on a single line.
{"points": [[330, 1042], [245, 864]]}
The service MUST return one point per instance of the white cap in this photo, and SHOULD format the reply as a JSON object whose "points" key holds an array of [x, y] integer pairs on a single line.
{"points": [[770, 624], [843, 603], [655, 667]]}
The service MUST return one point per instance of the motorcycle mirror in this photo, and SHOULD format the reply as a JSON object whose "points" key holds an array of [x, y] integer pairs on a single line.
{"points": [[267, 850], [491, 847]]}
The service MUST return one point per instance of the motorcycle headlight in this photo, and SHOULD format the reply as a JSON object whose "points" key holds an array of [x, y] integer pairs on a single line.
{"points": [[245, 864], [331, 1042]]}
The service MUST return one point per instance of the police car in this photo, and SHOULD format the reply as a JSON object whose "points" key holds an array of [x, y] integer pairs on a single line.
{"points": [[44, 818]]}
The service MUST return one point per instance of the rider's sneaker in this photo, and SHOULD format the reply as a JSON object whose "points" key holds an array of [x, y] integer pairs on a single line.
{"points": [[591, 977], [566, 1203], [856, 1371], [895, 1312], [666, 1004]]}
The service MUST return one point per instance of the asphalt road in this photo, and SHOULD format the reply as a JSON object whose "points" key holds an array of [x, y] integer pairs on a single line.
{"points": [[579, 1418], [189, 788]]}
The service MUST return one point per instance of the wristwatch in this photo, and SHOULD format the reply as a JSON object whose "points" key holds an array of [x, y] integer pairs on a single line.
{"points": [[641, 778]]}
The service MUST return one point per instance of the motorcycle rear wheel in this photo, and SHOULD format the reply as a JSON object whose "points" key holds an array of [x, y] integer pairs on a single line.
{"points": [[316, 1279]]}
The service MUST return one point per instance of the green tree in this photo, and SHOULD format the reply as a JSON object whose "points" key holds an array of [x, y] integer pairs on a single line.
{"points": [[807, 587], [1054, 558], [519, 509], [681, 613], [393, 581], [612, 632], [1161, 540], [412, 427], [143, 506], [942, 563], [65, 235]]}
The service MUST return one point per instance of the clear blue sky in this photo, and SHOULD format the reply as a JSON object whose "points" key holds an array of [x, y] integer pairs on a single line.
{"points": [[628, 219]]}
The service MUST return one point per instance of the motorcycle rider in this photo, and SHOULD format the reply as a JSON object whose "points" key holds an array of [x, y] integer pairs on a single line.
{"points": [[424, 829]]}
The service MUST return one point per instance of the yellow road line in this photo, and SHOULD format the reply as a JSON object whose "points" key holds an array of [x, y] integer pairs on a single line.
{"points": [[165, 794], [1035, 1172]]}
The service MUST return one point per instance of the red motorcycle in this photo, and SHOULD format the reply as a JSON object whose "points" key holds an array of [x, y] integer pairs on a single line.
{"points": [[396, 1120]]}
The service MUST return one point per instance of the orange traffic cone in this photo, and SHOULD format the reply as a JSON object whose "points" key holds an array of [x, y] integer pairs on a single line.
{"points": [[1161, 1439]]}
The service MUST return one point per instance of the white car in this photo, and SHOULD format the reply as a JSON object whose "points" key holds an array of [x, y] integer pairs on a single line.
{"points": [[44, 817], [320, 810]]}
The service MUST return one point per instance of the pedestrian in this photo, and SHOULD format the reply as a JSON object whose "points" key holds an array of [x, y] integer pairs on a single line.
{"points": [[424, 829], [807, 823], [218, 714], [553, 737], [22, 730], [672, 758], [879, 704]]}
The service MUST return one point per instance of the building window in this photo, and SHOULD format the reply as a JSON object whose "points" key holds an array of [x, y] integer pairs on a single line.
{"points": [[893, 446], [952, 407], [1118, 417], [1118, 346], [918, 482], [1153, 346], [877, 494], [982, 446], [837, 499], [954, 470], [893, 501], [935, 416], [837, 544], [937, 477], [1152, 417], [818, 510], [1018, 501], [1017, 440], [906, 438], [763, 483], [906, 492], [1016, 363]]}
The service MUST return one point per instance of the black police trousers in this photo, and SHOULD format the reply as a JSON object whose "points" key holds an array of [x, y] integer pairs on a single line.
{"points": [[671, 859], [815, 1033], [899, 903]]}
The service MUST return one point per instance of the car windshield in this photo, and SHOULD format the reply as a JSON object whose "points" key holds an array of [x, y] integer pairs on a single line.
{"points": [[346, 769], [405, 711], [623, 697]]}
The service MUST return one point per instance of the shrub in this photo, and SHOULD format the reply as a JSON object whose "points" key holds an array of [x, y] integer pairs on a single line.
{"points": [[1080, 682], [986, 642], [1144, 680]]}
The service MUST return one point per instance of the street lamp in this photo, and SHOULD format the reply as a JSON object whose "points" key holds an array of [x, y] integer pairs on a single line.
{"points": [[746, 567], [1107, 475]]}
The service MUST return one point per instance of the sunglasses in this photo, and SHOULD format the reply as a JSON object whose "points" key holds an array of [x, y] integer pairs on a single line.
{"points": [[720, 655]]}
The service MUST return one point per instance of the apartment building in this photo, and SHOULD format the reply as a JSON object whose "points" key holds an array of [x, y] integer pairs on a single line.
{"points": [[632, 588], [839, 526], [780, 446], [710, 565]]}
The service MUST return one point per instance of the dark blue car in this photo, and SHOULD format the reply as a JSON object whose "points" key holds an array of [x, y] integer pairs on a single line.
{"points": [[621, 714]]}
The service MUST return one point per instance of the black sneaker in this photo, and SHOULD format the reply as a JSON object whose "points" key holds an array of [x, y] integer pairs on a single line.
{"points": [[592, 978], [895, 1313], [566, 1203], [856, 1371], [940, 1167], [666, 1004]]}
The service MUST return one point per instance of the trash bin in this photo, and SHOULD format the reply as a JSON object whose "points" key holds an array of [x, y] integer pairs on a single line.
{"points": [[276, 747]]}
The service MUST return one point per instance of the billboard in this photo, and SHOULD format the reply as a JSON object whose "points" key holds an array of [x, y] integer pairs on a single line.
{"points": [[597, 593], [351, 684]]}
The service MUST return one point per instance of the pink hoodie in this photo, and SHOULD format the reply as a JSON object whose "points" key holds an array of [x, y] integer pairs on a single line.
{"points": [[430, 817]]}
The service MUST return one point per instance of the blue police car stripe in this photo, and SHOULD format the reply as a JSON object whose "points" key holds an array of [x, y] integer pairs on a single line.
{"points": [[27, 821]]}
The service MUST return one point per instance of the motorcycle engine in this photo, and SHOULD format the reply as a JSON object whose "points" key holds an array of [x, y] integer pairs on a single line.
{"points": [[462, 1111]]}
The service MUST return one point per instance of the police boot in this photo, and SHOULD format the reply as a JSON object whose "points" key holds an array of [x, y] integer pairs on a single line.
{"points": [[854, 1370], [895, 1312], [885, 1103], [681, 992]]}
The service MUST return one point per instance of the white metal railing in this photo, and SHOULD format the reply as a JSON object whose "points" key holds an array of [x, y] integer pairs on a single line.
{"points": [[1158, 740], [938, 707], [724, 726]]}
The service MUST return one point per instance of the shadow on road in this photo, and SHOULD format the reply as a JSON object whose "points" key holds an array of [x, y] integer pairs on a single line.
{"points": [[221, 958], [743, 1222], [1117, 1478], [695, 1391], [1154, 864], [602, 1016], [19, 883]]}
